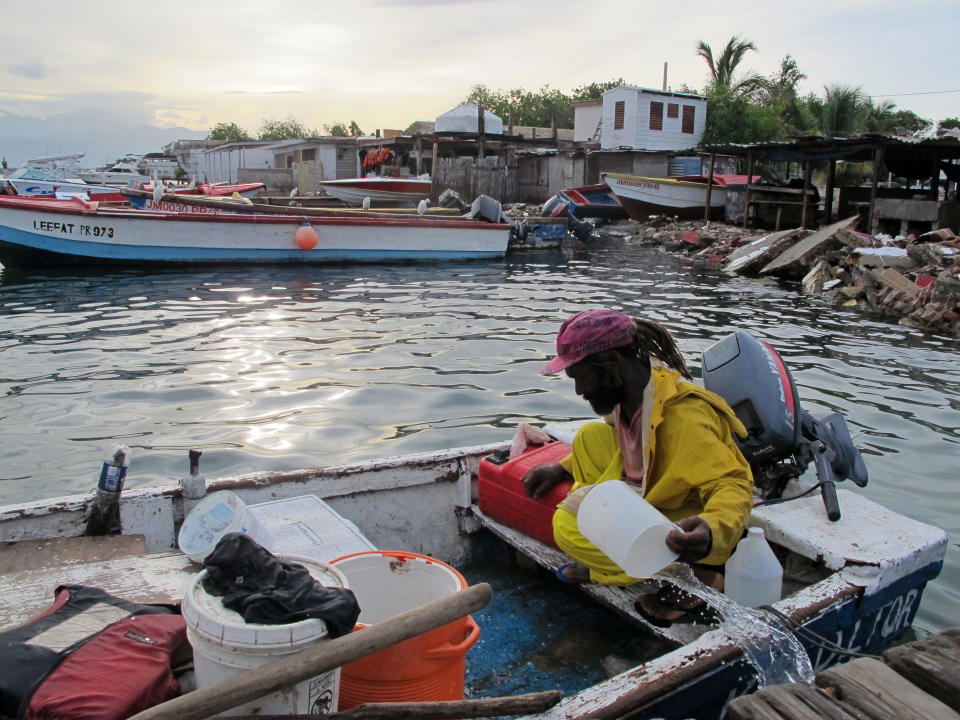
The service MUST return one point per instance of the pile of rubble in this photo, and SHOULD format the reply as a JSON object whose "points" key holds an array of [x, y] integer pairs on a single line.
{"points": [[915, 279]]}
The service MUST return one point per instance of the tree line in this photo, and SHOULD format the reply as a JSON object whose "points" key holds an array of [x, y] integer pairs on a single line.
{"points": [[289, 129], [742, 106]]}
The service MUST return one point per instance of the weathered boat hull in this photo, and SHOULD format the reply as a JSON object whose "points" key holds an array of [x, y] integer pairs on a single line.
{"points": [[74, 231], [381, 190], [642, 197], [862, 601], [594, 201]]}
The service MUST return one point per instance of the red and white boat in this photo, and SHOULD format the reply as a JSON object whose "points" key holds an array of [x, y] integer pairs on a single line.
{"points": [[380, 190], [684, 196]]}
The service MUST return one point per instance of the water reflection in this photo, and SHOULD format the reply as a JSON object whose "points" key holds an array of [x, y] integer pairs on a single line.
{"points": [[280, 368]]}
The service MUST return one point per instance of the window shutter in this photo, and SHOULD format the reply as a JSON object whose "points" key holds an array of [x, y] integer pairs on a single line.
{"points": [[689, 111], [618, 112], [656, 116], [673, 110]]}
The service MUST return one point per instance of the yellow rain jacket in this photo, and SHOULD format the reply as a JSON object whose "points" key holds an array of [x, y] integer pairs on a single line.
{"points": [[692, 466]]}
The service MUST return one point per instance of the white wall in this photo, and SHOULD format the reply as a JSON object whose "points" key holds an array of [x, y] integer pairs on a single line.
{"points": [[223, 164], [636, 132], [585, 119]]}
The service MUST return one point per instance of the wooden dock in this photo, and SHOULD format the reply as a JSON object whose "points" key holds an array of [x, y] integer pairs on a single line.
{"points": [[916, 681]]}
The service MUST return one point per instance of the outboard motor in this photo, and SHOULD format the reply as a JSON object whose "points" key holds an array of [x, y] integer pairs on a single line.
{"points": [[560, 206], [484, 208], [451, 199], [782, 439]]}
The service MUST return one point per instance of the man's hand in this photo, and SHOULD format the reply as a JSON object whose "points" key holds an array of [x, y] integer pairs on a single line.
{"points": [[542, 478], [694, 542]]}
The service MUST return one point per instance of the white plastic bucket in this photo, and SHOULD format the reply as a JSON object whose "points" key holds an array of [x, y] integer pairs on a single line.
{"points": [[213, 517], [224, 645], [628, 529]]}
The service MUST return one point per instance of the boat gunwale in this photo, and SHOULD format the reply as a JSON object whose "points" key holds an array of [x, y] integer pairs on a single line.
{"points": [[243, 218], [667, 181]]}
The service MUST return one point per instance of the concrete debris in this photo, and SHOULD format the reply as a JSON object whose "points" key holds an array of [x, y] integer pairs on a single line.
{"points": [[914, 280], [796, 259]]}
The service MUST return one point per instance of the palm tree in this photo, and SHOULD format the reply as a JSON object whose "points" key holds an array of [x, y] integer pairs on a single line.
{"points": [[880, 117], [723, 69], [843, 111]]}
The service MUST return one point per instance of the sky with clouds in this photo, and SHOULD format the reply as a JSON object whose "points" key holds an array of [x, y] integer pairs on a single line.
{"points": [[85, 76]]}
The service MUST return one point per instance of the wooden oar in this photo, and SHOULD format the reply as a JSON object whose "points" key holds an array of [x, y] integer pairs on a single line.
{"points": [[323, 657], [537, 702]]}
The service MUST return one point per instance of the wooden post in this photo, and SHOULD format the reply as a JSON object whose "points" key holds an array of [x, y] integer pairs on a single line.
{"points": [[323, 657], [481, 132], [935, 179], [418, 148], [706, 210], [806, 193], [434, 161], [877, 161], [746, 196], [828, 202]]}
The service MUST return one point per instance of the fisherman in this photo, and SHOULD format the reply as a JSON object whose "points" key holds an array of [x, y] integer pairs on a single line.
{"points": [[669, 439]]}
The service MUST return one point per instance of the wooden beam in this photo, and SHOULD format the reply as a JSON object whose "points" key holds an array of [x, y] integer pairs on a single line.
{"points": [[806, 194], [433, 172], [706, 209], [877, 161], [828, 202], [746, 197], [481, 132], [537, 702]]}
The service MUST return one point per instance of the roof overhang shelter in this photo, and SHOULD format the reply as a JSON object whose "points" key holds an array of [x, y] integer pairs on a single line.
{"points": [[913, 158]]}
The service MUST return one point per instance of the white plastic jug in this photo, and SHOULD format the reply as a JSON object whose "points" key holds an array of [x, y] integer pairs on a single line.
{"points": [[213, 517], [754, 576], [629, 530]]}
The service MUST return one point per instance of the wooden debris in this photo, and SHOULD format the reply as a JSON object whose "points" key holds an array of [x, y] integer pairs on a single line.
{"points": [[802, 253], [894, 257], [931, 664], [888, 277], [877, 691], [853, 239], [755, 253], [792, 700], [820, 273]]}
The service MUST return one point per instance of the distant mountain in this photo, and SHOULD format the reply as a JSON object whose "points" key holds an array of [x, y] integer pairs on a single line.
{"points": [[101, 137]]}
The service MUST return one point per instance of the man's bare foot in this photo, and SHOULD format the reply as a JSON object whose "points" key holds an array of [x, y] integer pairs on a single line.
{"points": [[670, 604]]}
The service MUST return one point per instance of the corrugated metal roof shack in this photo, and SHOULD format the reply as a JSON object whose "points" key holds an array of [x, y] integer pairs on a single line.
{"points": [[927, 200]]}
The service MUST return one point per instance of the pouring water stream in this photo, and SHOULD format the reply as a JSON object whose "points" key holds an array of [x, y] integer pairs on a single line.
{"points": [[768, 646]]}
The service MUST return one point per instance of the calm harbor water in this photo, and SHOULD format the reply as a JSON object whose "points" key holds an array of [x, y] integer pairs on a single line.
{"points": [[274, 368]]}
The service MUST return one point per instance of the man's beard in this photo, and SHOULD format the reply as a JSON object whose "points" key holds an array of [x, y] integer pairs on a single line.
{"points": [[604, 401]]}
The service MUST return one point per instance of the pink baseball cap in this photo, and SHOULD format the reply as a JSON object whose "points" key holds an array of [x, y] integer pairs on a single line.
{"points": [[589, 332]]}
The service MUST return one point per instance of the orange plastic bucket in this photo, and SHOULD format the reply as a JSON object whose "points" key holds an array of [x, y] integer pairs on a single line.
{"points": [[430, 666]]}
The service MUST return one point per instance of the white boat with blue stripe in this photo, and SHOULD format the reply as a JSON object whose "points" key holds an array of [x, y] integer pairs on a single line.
{"points": [[46, 231]]}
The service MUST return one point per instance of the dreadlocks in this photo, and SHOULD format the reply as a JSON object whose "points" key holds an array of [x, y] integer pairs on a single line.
{"points": [[652, 338]]}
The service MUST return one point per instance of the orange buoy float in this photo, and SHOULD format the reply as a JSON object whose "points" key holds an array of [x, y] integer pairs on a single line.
{"points": [[306, 237]]}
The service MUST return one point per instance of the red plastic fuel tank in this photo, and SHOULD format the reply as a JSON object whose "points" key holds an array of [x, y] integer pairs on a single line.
{"points": [[501, 495]]}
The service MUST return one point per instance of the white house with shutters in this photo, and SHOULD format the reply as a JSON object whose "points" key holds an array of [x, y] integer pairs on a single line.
{"points": [[643, 119]]}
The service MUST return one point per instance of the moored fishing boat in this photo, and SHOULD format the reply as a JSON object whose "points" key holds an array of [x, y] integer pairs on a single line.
{"points": [[68, 231], [684, 197], [594, 201], [852, 584], [380, 190]]}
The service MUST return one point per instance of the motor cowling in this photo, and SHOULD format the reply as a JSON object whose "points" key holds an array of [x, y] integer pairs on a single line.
{"points": [[754, 381]]}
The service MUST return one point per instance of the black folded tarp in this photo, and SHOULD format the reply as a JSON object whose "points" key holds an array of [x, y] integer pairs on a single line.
{"points": [[267, 590]]}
